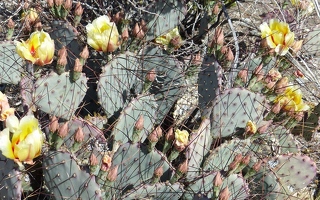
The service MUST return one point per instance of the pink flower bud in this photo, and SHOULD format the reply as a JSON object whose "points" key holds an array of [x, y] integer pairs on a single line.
{"points": [[217, 181], [77, 66], [78, 11], [79, 135], [118, 17], [153, 137], [158, 131], [230, 56], [263, 128], [85, 53], [138, 32], [67, 4], [151, 75], [170, 135], [224, 194], [218, 37], [256, 167], [243, 75], [63, 130], [216, 9], [54, 125], [140, 123], [281, 85], [10, 24], [158, 172], [276, 108], [93, 160], [62, 54], [245, 160], [183, 167], [58, 2], [50, 3], [143, 25], [224, 49], [299, 74], [125, 34], [113, 173]]}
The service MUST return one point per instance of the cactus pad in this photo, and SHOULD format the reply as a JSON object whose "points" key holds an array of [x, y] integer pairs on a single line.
{"points": [[10, 64], [57, 95]]}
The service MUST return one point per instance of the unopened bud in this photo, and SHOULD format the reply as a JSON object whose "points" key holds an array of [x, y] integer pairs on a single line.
{"points": [[224, 194], [54, 125], [276, 108], [106, 162], [151, 75], [262, 129], [63, 130], [298, 74], [138, 32], [153, 137], [50, 3], [170, 135], [183, 167], [281, 85], [143, 25], [77, 66], [85, 53], [158, 172], [117, 18], [159, 132], [37, 26], [230, 56], [217, 181], [113, 173], [233, 165], [258, 70], [125, 34], [218, 37], [67, 4], [216, 9], [298, 116], [256, 167], [79, 135], [140, 123], [224, 49], [243, 75], [245, 160], [297, 46], [78, 11], [93, 160], [58, 2], [10, 24]]}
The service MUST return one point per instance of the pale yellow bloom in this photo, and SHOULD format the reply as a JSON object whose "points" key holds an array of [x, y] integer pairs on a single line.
{"points": [[26, 141], [251, 128], [181, 138], [172, 38], [291, 100], [278, 36], [38, 49], [305, 5], [103, 35]]}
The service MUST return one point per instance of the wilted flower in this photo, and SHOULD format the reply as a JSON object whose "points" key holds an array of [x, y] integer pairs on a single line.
{"points": [[304, 5], [30, 15], [172, 38], [103, 35], [26, 141], [278, 36], [250, 128], [38, 49], [291, 100]]}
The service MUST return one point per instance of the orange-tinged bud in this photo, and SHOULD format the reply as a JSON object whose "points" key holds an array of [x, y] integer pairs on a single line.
{"points": [[125, 34], [153, 136], [138, 32], [299, 74], [10, 24], [78, 11], [143, 25], [218, 37], [216, 9], [77, 66], [169, 135], [85, 53], [158, 172], [230, 56], [79, 135], [58, 2], [256, 167], [224, 194], [54, 125], [245, 160], [67, 4], [113, 173], [151, 75], [276, 108], [243, 75], [50, 3], [140, 123], [93, 160], [63, 130], [217, 181], [183, 167]]}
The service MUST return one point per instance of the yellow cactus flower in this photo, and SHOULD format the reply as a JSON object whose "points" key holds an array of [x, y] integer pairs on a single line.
{"points": [[103, 35], [26, 141], [278, 36], [291, 100], [181, 138], [172, 38], [38, 49], [30, 15]]}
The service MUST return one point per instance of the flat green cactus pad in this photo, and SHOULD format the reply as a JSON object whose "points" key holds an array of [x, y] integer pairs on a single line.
{"points": [[57, 95]]}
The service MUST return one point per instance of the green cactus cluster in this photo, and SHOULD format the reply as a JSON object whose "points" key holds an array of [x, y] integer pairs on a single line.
{"points": [[238, 146]]}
